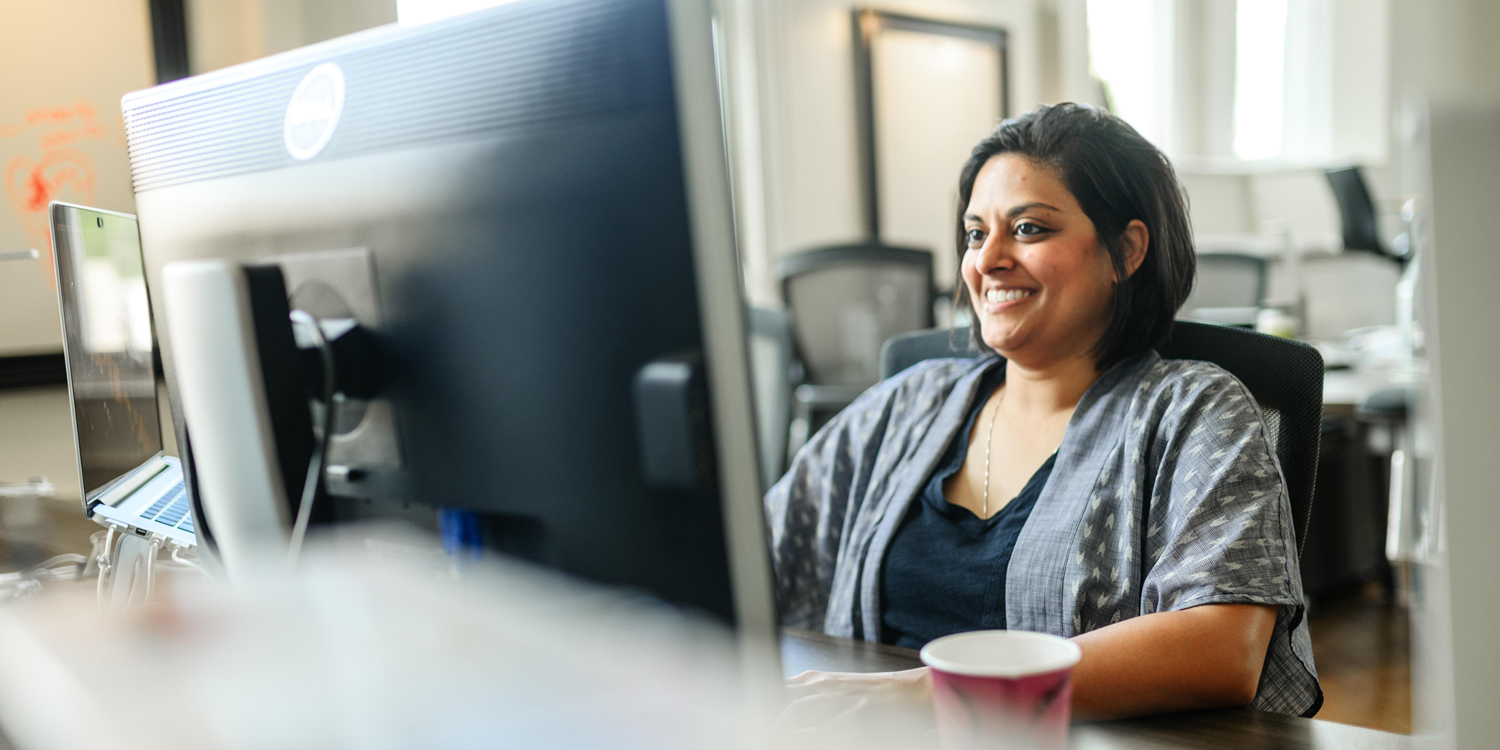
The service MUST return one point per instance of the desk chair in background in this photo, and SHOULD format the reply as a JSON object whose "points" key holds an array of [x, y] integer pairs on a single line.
{"points": [[1229, 289], [844, 301], [1285, 377], [773, 371]]}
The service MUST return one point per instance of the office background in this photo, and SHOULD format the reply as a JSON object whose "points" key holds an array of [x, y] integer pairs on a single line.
{"points": [[794, 119]]}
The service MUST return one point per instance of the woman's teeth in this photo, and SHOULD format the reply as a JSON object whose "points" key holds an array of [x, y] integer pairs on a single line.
{"points": [[1007, 295]]}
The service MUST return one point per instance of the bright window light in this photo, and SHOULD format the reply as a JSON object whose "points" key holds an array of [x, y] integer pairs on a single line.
{"points": [[1121, 38], [1259, 77], [413, 12]]}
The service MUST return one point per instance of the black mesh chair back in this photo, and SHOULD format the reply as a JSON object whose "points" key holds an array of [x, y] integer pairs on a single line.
{"points": [[846, 300], [1285, 377], [901, 352]]}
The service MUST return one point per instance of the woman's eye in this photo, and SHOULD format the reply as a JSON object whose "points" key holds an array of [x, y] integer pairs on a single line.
{"points": [[975, 237], [1028, 229]]}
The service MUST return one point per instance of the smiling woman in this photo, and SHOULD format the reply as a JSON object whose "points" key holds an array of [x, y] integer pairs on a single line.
{"points": [[1072, 482]]}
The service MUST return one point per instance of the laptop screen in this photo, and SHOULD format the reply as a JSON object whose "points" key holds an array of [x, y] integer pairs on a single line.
{"points": [[107, 338]]}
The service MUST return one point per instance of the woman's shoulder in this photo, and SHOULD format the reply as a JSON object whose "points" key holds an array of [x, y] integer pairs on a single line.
{"points": [[1180, 380], [1183, 397]]}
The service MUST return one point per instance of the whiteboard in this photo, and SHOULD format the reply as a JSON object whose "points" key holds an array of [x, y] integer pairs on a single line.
{"points": [[62, 137]]}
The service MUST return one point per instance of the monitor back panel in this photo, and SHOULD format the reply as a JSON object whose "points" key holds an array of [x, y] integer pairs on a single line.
{"points": [[502, 200]]}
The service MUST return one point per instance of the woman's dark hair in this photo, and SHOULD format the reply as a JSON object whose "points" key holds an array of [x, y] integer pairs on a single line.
{"points": [[1116, 176]]}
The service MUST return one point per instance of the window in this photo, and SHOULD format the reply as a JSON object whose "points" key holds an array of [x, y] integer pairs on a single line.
{"points": [[1271, 82], [1130, 52], [1259, 80]]}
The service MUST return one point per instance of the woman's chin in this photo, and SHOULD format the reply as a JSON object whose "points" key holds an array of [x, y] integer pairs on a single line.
{"points": [[1001, 341]]}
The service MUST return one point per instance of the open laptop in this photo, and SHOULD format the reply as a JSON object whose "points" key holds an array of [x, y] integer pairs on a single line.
{"points": [[125, 479]]}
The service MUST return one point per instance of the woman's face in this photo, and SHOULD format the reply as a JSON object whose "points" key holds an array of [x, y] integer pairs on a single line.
{"points": [[1038, 276]]}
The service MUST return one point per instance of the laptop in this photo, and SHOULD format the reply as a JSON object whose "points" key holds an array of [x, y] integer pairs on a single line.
{"points": [[126, 480]]}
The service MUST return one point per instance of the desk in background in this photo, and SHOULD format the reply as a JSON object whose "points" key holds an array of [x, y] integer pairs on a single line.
{"points": [[1236, 729], [1346, 538]]}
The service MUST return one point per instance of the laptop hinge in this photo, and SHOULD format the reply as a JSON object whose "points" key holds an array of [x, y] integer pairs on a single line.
{"points": [[127, 486]]}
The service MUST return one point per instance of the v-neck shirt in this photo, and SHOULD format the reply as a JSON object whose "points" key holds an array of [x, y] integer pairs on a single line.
{"points": [[945, 572]]}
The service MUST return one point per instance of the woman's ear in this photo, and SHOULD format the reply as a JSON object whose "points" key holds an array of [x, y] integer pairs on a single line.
{"points": [[1136, 238]]}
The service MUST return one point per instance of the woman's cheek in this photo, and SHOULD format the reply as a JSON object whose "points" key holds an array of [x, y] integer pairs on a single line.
{"points": [[968, 270]]}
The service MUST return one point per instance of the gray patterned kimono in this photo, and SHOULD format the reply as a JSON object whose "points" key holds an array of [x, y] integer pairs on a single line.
{"points": [[1165, 495]]}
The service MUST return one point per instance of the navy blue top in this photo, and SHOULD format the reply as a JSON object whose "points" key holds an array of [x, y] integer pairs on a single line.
{"points": [[945, 572]]}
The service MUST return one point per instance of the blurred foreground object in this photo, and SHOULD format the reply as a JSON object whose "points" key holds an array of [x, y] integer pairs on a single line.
{"points": [[376, 645], [1445, 534]]}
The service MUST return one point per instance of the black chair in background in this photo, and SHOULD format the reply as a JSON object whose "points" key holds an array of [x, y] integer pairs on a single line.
{"points": [[1285, 377], [1357, 215], [845, 301]]}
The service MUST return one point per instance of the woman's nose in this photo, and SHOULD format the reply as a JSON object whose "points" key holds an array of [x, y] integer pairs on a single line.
{"points": [[994, 255]]}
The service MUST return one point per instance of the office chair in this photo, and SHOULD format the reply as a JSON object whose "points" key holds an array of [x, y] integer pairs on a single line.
{"points": [[1229, 289], [1285, 377], [1357, 215], [844, 302], [773, 372]]}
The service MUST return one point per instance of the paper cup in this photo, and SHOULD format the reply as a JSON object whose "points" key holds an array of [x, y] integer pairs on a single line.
{"points": [[1002, 689]]}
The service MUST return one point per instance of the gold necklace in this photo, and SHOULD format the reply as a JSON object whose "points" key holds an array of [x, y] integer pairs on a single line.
{"points": [[988, 441]]}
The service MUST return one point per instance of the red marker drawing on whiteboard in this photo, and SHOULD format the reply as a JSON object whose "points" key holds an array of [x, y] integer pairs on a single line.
{"points": [[61, 172]]}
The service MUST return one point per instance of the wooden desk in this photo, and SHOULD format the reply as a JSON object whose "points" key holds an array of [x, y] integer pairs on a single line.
{"points": [[1230, 729]]}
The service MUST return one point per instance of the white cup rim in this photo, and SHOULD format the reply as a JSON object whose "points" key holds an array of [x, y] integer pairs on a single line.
{"points": [[1000, 653]]}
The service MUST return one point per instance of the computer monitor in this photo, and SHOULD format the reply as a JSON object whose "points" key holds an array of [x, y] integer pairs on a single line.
{"points": [[529, 208]]}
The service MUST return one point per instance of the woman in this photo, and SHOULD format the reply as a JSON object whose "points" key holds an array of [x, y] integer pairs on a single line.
{"points": [[1076, 484]]}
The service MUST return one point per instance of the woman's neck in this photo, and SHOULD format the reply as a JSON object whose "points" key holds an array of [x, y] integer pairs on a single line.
{"points": [[1049, 389]]}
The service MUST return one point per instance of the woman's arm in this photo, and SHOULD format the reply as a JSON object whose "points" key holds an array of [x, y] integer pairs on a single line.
{"points": [[1202, 657]]}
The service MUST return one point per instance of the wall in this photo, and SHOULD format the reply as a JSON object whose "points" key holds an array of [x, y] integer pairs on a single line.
{"points": [[66, 63], [228, 32]]}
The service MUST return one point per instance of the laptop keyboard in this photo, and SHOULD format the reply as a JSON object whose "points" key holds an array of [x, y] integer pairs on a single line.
{"points": [[172, 510]]}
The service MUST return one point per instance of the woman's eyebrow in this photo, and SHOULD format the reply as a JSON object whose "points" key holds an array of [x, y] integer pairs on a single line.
{"points": [[1024, 207], [1014, 212]]}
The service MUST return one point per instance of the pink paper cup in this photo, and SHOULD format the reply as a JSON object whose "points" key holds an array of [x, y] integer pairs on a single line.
{"points": [[1002, 689]]}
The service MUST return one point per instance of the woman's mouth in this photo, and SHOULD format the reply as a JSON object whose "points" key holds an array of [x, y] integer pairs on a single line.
{"points": [[998, 296]]}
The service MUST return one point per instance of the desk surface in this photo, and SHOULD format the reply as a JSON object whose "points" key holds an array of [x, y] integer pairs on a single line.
{"points": [[1229, 728]]}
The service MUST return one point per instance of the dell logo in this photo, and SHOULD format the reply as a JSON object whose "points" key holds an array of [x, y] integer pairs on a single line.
{"points": [[313, 113]]}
